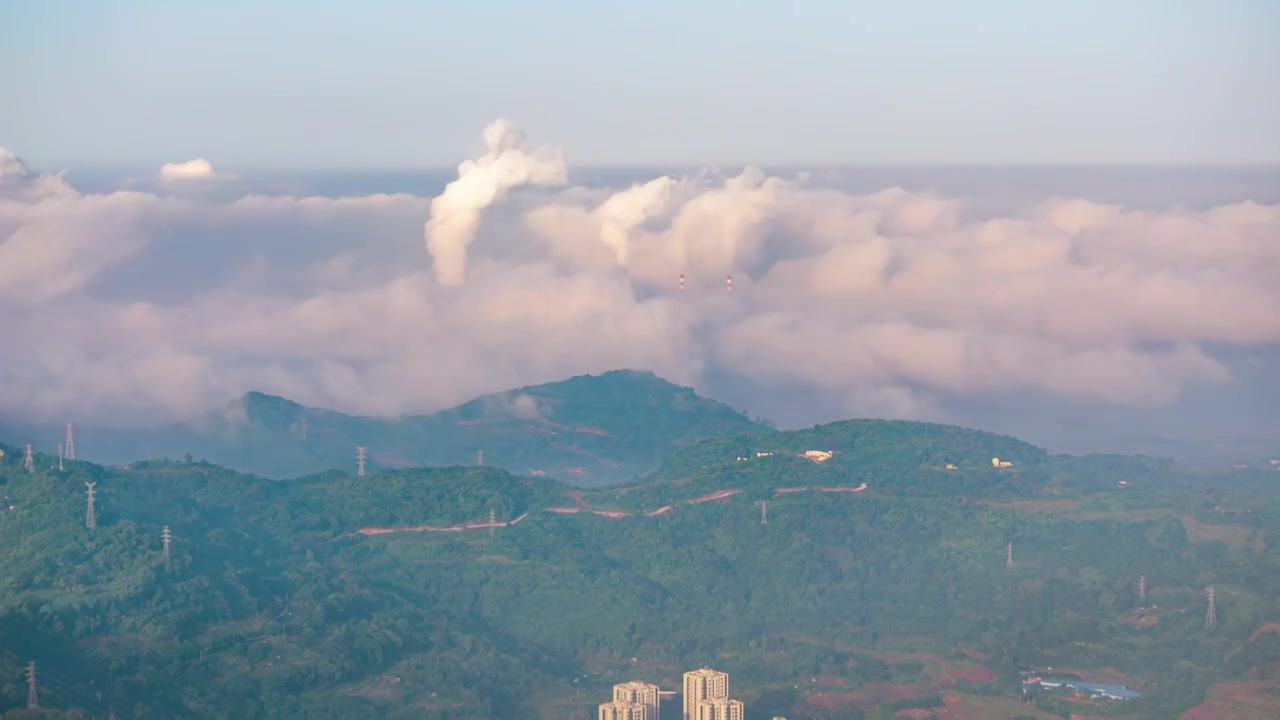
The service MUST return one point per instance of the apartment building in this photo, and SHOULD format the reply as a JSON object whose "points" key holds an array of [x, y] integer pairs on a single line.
{"points": [[633, 700], [706, 696]]}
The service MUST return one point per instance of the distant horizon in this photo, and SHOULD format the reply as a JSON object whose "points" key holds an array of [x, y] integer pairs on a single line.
{"points": [[450, 170]]}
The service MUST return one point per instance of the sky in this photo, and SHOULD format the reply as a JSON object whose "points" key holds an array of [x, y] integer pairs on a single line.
{"points": [[396, 211], [401, 84]]}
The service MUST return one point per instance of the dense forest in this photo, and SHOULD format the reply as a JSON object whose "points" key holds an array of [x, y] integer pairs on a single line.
{"points": [[859, 584]]}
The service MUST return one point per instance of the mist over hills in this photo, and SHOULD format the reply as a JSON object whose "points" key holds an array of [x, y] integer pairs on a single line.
{"points": [[588, 430]]}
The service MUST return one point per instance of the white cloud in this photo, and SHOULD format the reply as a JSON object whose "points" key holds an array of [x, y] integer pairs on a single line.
{"points": [[137, 305], [198, 169]]}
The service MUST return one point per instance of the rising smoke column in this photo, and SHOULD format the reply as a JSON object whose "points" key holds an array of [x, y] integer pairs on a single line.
{"points": [[455, 213], [625, 211]]}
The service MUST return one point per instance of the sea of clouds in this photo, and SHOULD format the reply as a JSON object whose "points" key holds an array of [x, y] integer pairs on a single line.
{"points": [[159, 303]]}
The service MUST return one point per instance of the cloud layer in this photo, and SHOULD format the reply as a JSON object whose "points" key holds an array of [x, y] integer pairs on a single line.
{"points": [[147, 305]]}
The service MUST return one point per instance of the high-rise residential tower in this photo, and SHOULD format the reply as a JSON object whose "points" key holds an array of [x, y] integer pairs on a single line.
{"points": [[633, 700], [706, 696]]}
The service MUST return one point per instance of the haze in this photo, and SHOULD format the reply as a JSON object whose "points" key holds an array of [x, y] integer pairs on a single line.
{"points": [[209, 236]]}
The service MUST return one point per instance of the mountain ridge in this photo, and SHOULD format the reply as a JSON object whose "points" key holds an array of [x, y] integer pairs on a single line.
{"points": [[589, 429]]}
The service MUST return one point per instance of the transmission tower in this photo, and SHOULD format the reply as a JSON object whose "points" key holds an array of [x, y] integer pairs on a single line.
{"points": [[1210, 617], [360, 458], [71, 442], [493, 521], [90, 520], [166, 537], [33, 700], [479, 457], [304, 428], [1142, 588], [764, 512], [60, 467], [29, 462], [1008, 560]]}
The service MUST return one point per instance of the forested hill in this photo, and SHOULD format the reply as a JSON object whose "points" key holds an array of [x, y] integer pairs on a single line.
{"points": [[877, 582], [588, 430], [862, 446]]}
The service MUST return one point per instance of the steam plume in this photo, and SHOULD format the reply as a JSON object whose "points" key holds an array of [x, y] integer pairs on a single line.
{"points": [[455, 213], [627, 210]]}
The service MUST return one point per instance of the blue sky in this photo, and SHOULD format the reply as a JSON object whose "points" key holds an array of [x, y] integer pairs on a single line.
{"points": [[386, 83]]}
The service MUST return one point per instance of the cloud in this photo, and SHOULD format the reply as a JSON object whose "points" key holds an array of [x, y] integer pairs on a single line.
{"points": [[455, 213], [198, 169], [139, 306], [18, 182]]}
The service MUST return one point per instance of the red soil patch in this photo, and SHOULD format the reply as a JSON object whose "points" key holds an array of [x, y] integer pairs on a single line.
{"points": [[564, 510], [832, 702], [406, 528], [977, 675], [593, 431], [1234, 536], [1265, 627], [783, 491], [915, 714], [870, 697], [718, 495], [860, 488], [975, 655], [947, 676], [1237, 701]]}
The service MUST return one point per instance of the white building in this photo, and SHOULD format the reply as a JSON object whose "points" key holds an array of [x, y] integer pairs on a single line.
{"points": [[706, 696], [719, 709], [623, 711], [818, 456], [633, 700]]}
